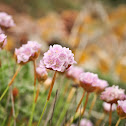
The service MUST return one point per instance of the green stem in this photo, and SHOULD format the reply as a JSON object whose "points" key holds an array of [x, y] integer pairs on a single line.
{"points": [[43, 112], [33, 108], [62, 115], [5, 91]]}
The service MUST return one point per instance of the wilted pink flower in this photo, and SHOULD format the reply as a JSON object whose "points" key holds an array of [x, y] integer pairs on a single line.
{"points": [[121, 108], [3, 40], [74, 72], [88, 81], [85, 122], [113, 94], [28, 52], [101, 85], [6, 20], [107, 106], [58, 58], [41, 72]]}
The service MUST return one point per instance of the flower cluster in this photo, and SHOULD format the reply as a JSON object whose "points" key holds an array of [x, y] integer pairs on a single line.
{"points": [[28, 52], [107, 106], [121, 108], [41, 72], [6, 20], [74, 72], [3, 40], [58, 58], [113, 94], [88, 81], [101, 85]]}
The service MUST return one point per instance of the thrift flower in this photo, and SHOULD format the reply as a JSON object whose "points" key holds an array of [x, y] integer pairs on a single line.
{"points": [[3, 41], [121, 108], [28, 52], [107, 106], [6, 20], [85, 122], [113, 94], [58, 58], [74, 72], [41, 72], [88, 81]]}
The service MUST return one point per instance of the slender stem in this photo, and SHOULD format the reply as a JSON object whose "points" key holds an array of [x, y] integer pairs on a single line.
{"points": [[110, 115], [85, 104], [34, 63], [43, 112], [33, 108], [34, 103], [37, 93], [17, 71], [80, 101], [93, 103], [5, 91], [51, 87], [118, 121]]}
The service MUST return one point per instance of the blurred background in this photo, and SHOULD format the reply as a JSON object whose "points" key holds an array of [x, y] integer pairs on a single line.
{"points": [[95, 30]]}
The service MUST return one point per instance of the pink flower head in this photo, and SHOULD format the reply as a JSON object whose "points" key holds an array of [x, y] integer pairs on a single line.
{"points": [[3, 40], [1, 31], [113, 94], [121, 108], [88, 81], [85, 122], [74, 72], [27, 52], [41, 72], [6, 20], [58, 58], [107, 106], [101, 85]]}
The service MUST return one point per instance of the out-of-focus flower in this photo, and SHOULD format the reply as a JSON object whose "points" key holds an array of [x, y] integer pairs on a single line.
{"points": [[58, 58], [74, 72], [113, 94], [47, 83], [6, 20], [107, 106], [41, 72], [121, 108], [85, 122], [3, 41], [88, 81], [101, 85], [28, 52], [15, 92], [1, 31]]}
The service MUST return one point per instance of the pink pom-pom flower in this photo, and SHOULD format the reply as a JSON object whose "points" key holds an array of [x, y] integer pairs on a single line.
{"points": [[107, 106], [121, 108], [3, 41], [88, 81], [58, 58], [41, 72], [6, 20], [27, 52], [113, 94], [101, 85], [74, 73]]}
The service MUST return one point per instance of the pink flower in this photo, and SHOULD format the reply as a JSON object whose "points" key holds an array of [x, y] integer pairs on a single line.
{"points": [[6, 20], [122, 104], [41, 72], [107, 106], [58, 58], [74, 72], [1, 31], [113, 94], [88, 81], [3, 40], [101, 85], [27, 52], [85, 122]]}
